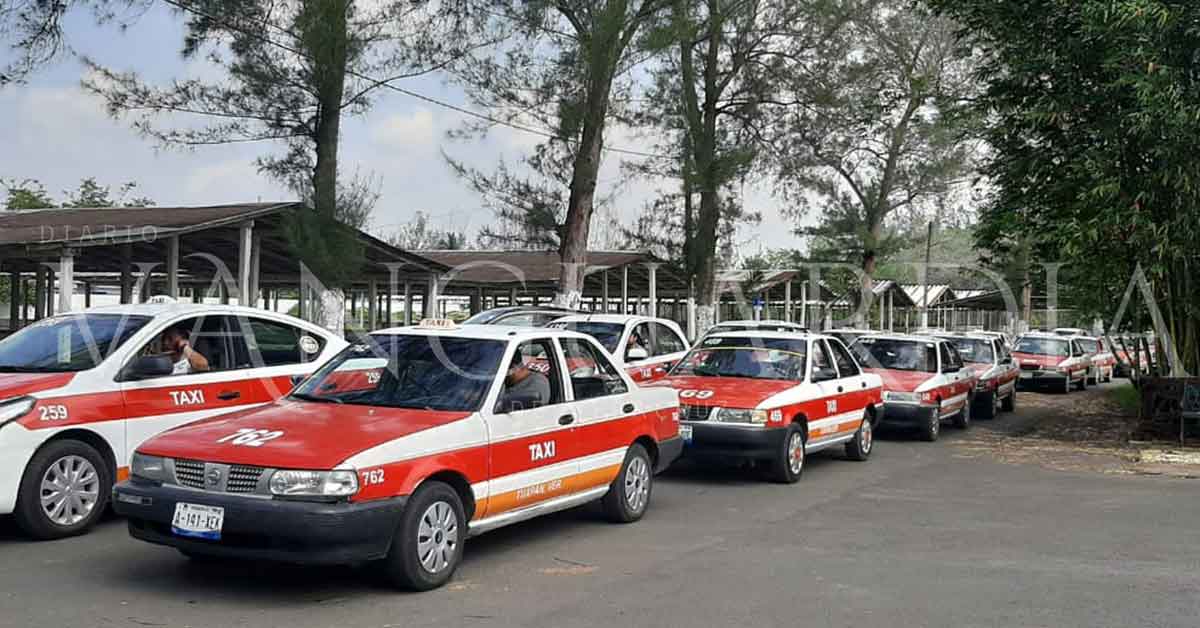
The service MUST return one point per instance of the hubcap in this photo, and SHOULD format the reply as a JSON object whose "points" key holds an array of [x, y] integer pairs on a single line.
{"points": [[866, 436], [70, 490], [437, 537], [796, 453], [637, 484], [935, 423]]}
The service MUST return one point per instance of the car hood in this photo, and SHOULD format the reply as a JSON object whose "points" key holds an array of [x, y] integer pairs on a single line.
{"points": [[901, 381], [18, 384], [730, 392], [313, 435], [1044, 361]]}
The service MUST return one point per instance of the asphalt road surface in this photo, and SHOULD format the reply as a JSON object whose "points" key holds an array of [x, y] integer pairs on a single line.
{"points": [[917, 536]]}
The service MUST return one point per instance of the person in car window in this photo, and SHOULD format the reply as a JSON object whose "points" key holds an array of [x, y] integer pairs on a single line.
{"points": [[524, 388], [183, 356], [636, 340]]}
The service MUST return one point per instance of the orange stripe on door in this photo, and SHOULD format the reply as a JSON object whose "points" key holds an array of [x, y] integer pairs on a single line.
{"points": [[530, 495]]}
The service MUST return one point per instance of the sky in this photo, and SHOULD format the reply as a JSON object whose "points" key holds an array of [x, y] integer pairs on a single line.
{"points": [[56, 133]]}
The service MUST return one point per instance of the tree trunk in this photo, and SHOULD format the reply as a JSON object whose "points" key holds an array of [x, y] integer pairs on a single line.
{"points": [[870, 261], [701, 119], [325, 35]]}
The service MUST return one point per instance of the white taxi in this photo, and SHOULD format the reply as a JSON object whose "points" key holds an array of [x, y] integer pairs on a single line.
{"points": [[774, 397], [402, 446], [646, 347], [80, 391]]}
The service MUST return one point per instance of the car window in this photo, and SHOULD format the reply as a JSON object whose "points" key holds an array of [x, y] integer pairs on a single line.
{"points": [[975, 350], [895, 354], [523, 319], [439, 373], [591, 373], [846, 365], [754, 358], [1089, 346], [944, 352], [609, 334], [955, 359], [821, 360], [75, 342], [639, 337], [271, 343], [207, 337], [533, 378], [1043, 346], [666, 341]]}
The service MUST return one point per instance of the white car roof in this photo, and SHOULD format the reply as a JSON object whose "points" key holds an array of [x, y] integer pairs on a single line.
{"points": [[482, 332], [608, 318], [754, 323], [160, 309], [774, 335], [902, 337]]}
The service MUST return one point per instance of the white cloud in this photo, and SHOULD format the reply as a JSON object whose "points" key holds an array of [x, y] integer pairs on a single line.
{"points": [[416, 129]]}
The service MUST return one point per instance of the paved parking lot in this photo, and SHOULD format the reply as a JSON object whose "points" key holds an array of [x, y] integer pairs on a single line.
{"points": [[920, 535]]}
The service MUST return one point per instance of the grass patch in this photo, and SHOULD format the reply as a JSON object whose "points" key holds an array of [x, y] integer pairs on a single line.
{"points": [[1128, 399]]}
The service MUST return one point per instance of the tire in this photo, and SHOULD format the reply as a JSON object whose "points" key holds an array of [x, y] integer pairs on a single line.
{"points": [[933, 424], [1010, 402], [788, 463], [629, 494], [1083, 384], [860, 447], [962, 420], [1066, 385], [993, 407], [87, 481], [428, 545]]}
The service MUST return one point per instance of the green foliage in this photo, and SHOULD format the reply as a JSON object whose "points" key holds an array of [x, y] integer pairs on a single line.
{"points": [[31, 194], [419, 235], [26, 194], [1095, 112]]}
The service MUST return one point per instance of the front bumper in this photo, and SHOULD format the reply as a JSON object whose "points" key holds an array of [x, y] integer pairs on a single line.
{"points": [[1039, 378], [905, 414], [734, 441], [265, 529]]}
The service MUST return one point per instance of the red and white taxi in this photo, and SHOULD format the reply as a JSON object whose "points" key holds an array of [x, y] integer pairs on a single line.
{"points": [[402, 446], [1131, 354], [988, 356], [646, 347], [1051, 359], [925, 380], [774, 397], [80, 391], [1103, 360]]}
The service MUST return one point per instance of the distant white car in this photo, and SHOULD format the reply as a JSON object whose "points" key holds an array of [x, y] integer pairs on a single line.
{"points": [[646, 347], [750, 325], [80, 391]]}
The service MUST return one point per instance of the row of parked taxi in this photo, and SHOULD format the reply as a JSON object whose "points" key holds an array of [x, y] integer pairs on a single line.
{"points": [[235, 432]]}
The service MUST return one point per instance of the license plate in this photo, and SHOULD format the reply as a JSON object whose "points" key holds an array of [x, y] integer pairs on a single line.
{"points": [[198, 521], [685, 432], [1026, 375]]}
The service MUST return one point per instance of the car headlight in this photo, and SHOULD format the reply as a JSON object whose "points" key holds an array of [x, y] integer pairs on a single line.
{"points": [[148, 467], [294, 483], [14, 409], [739, 415]]}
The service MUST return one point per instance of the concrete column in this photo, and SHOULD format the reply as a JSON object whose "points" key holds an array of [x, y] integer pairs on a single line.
{"points": [[387, 303], [255, 269], [625, 289], [126, 273], [652, 293], [512, 296], [604, 291], [39, 294], [408, 303], [50, 277], [66, 280], [804, 304], [431, 296], [476, 305], [787, 301], [173, 267], [14, 300], [245, 250], [372, 305]]}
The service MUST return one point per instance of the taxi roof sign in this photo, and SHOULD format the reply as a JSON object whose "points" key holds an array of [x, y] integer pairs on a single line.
{"points": [[437, 323]]}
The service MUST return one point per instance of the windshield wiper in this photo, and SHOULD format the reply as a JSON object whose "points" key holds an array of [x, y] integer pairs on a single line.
{"points": [[316, 398]]}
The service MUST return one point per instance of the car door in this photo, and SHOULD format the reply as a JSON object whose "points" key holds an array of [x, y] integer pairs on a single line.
{"points": [[638, 340], [156, 404], [668, 348], [269, 355], [606, 411], [824, 416], [531, 448], [958, 383], [854, 395]]}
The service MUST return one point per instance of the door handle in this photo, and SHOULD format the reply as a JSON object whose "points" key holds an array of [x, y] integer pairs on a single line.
{"points": [[864, 384], [229, 395], [627, 408], [839, 389], [566, 419]]}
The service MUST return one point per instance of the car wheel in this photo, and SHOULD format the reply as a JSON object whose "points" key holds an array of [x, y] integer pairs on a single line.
{"points": [[859, 448], [629, 494], [962, 420], [428, 545], [933, 424], [1010, 402], [1067, 385], [993, 407], [1083, 383], [789, 460], [64, 490]]}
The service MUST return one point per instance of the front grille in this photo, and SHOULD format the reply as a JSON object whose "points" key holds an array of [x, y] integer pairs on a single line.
{"points": [[242, 479], [694, 413], [189, 473]]}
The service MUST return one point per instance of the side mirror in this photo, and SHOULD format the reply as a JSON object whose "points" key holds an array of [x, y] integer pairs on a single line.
{"points": [[823, 375], [636, 353], [149, 366]]}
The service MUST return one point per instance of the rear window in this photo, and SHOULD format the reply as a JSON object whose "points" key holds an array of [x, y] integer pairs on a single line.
{"points": [[607, 334], [1043, 346]]}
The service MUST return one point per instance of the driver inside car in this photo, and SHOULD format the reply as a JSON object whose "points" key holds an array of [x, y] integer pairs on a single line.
{"points": [[524, 388]]}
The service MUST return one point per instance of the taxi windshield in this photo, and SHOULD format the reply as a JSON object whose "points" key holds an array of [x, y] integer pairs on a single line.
{"points": [[1043, 346], [75, 342], [607, 334], [402, 371], [973, 350], [896, 355], [754, 358]]}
